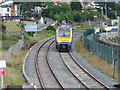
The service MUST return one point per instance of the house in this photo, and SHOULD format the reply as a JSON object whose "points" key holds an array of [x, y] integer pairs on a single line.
{"points": [[10, 11], [37, 9]]}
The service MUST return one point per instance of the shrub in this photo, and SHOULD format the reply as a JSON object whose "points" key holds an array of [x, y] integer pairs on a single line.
{"points": [[4, 37], [102, 30], [50, 28]]}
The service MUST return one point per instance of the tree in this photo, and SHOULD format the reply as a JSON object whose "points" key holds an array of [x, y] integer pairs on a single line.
{"points": [[69, 15], [111, 14], [65, 7], [76, 6], [63, 16], [77, 16], [56, 17]]}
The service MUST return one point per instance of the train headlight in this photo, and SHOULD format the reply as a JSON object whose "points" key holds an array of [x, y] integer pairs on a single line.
{"points": [[58, 42], [69, 43]]}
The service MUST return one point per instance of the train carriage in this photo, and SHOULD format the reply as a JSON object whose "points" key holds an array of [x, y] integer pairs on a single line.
{"points": [[64, 38]]}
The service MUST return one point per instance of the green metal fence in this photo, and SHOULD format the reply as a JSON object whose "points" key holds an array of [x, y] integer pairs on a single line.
{"points": [[105, 52]]}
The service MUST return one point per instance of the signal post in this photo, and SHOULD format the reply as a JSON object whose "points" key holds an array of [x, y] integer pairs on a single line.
{"points": [[22, 27]]}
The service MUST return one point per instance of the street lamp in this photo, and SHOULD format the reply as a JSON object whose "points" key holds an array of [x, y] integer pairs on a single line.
{"points": [[106, 10], [101, 16]]}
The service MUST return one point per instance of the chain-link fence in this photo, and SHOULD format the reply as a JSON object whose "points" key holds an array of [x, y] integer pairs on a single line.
{"points": [[105, 52], [12, 50]]}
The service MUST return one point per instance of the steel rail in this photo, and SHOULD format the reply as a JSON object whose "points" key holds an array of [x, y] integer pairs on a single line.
{"points": [[47, 58], [36, 65], [73, 73], [83, 70], [87, 72]]}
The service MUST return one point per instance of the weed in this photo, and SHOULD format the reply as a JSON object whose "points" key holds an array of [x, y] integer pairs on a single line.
{"points": [[9, 64]]}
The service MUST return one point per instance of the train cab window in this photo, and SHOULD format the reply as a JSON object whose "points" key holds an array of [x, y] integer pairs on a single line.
{"points": [[64, 33]]}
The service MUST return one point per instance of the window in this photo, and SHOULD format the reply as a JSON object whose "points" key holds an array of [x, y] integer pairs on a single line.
{"points": [[64, 32], [6, 14], [13, 8], [13, 14], [18, 14], [18, 9], [7, 9]]}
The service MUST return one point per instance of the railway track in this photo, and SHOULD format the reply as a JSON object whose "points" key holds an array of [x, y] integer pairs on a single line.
{"points": [[41, 81], [75, 65], [87, 80], [66, 63], [40, 77]]}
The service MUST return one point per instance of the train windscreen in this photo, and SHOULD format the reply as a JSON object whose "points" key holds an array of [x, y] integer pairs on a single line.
{"points": [[64, 33]]}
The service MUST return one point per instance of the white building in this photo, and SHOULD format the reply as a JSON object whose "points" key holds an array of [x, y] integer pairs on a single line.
{"points": [[8, 10], [37, 9]]}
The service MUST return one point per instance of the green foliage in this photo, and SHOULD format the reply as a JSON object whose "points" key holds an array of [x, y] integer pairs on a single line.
{"points": [[9, 64], [46, 12], [112, 7], [83, 27], [46, 33], [15, 37], [65, 11], [3, 27], [24, 48], [77, 16], [65, 7], [30, 33], [111, 14], [69, 16], [6, 44], [76, 6], [102, 30], [56, 10], [3, 36], [10, 40], [50, 28], [56, 17]]}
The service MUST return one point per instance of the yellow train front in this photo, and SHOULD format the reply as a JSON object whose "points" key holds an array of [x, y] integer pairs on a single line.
{"points": [[63, 38]]}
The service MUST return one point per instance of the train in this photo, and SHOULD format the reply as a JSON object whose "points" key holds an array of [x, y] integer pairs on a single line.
{"points": [[63, 37]]}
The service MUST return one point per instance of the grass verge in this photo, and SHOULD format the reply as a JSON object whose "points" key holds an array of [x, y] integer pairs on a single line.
{"points": [[14, 65], [96, 61], [13, 75], [2, 53], [12, 26], [84, 27]]}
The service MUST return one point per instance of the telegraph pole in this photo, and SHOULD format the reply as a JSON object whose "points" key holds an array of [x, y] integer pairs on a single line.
{"points": [[22, 35], [106, 9], [101, 16]]}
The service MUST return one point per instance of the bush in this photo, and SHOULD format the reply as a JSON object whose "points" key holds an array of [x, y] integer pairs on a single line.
{"points": [[14, 37], [50, 28], [4, 37], [102, 30]]}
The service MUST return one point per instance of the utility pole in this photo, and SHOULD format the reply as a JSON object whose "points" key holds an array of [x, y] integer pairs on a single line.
{"points": [[106, 9], [101, 16], [22, 35]]}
